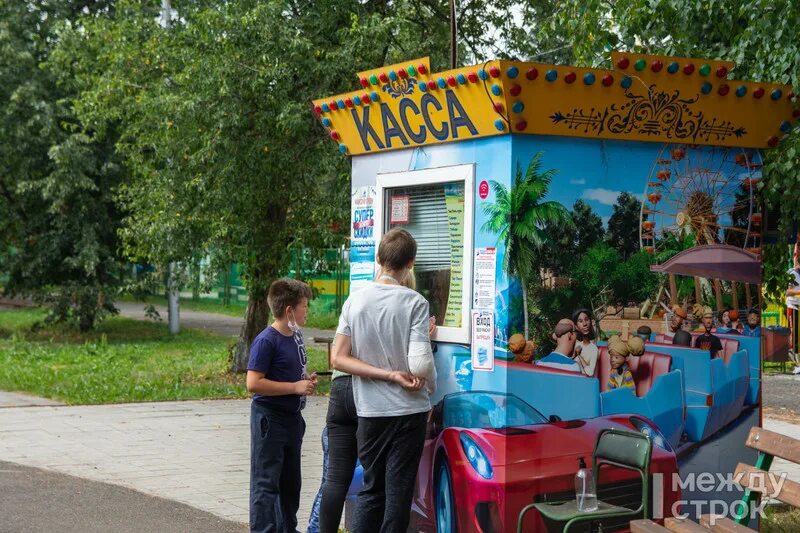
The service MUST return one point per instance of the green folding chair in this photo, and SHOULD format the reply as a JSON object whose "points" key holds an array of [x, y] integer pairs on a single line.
{"points": [[616, 448]]}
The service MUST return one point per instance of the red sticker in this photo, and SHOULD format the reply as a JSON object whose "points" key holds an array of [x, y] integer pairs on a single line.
{"points": [[483, 189]]}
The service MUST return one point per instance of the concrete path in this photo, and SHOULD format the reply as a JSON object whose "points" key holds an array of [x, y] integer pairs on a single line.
{"points": [[194, 452], [220, 324], [18, 399], [36, 500]]}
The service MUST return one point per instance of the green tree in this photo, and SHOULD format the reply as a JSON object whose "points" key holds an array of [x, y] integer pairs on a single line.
{"points": [[588, 227], [623, 226], [57, 182], [519, 217]]}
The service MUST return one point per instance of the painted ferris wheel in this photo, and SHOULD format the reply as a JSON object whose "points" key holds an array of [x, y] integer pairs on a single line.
{"points": [[702, 195]]}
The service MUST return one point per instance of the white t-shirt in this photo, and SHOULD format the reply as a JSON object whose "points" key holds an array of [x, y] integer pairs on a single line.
{"points": [[589, 356], [381, 321], [793, 302]]}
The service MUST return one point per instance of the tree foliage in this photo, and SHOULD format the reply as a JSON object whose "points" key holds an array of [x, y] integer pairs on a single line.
{"points": [[623, 226]]}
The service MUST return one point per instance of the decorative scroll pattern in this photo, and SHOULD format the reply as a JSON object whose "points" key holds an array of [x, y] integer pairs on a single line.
{"points": [[659, 113], [400, 87]]}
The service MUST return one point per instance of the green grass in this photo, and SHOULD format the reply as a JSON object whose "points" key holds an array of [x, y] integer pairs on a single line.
{"points": [[123, 360], [781, 519], [319, 317]]}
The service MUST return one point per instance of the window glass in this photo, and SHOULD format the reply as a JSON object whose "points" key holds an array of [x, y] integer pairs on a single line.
{"points": [[434, 215]]}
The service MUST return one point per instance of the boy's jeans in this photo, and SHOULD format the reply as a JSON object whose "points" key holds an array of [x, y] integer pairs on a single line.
{"points": [[275, 441]]}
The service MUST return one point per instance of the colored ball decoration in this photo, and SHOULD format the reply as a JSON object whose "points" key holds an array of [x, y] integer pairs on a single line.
{"points": [[741, 90], [334, 135], [772, 142], [383, 77], [365, 99], [759, 92], [512, 72], [402, 73], [343, 148], [532, 73], [422, 69], [318, 109], [483, 75], [340, 103], [626, 82], [333, 105], [393, 75], [451, 81], [472, 77], [608, 80], [496, 90], [498, 107], [570, 77], [494, 71], [515, 90], [499, 124], [656, 65], [589, 78], [673, 67], [432, 85], [786, 126], [704, 69], [776, 94], [552, 75], [374, 96], [442, 83], [423, 87], [521, 125], [721, 71], [411, 70], [326, 122], [461, 79], [348, 102], [623, 63], [688, 68], [364, 82], [357, 100], [706, 88], [373, 79], [723, 89], [518, 107]]}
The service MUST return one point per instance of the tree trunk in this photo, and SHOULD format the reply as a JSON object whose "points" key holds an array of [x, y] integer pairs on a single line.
{"points": [[734, 295], [255, 321], [718, 294], [673, 290], [525, 308]]}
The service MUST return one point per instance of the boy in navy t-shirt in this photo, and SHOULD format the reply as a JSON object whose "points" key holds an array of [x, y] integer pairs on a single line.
{"points": [[276, 375]]}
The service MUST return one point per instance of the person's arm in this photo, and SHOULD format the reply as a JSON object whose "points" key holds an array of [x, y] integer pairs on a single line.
{"points": [[258, 384], [342, 360]]}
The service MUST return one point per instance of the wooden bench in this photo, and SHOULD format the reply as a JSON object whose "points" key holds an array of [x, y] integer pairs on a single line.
{"points": [[757, 482], [328, 341]]}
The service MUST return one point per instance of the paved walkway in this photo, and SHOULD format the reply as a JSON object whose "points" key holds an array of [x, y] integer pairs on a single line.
{"points": [[194, 452], [217, 323], [18, 399]]}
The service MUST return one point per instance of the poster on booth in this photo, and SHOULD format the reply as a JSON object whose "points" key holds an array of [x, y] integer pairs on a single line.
{"points": [[454, 203], [362, 237], [483, 290], [483, 340]]}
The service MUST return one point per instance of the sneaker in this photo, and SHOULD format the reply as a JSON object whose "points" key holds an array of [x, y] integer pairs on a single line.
{"points": [[796, 370]]}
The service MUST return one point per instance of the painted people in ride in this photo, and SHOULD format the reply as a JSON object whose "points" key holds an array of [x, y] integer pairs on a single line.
{"points": [[753, 326], [679, 314], [707, 340], [725, 322], [585, 346], [565, 337], [682, 338], [620, 376], [644, 333]]}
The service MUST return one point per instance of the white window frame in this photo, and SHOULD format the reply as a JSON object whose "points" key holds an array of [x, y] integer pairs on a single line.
{"points": [[430, 176]]}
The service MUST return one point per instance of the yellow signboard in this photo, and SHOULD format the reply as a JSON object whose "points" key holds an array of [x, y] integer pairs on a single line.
{"points": [[644, 98]]}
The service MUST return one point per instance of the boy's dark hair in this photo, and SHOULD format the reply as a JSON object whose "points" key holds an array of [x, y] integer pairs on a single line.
{"points": [[644, 331], [397, 249], [286, 292], [682, 338], [753, 311]]}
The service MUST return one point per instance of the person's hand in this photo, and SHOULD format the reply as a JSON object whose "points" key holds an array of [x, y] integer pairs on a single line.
{"points": [[406, 380], [431, 326], [304, 387]]}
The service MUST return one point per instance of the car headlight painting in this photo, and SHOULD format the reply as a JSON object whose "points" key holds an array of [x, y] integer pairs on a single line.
{"points": [[476, 457], [651, 433]]}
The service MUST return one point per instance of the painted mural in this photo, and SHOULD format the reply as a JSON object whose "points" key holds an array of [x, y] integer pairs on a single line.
{"points": [[598, 270]]}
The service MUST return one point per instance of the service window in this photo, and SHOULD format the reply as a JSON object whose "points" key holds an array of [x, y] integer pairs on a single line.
{"points": [[435, 206]]}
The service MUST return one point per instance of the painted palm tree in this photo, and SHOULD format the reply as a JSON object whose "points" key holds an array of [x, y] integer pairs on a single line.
{"points": [[518, 217]]}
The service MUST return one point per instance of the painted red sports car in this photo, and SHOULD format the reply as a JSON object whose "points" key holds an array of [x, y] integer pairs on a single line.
{"points": [[489, 454]]}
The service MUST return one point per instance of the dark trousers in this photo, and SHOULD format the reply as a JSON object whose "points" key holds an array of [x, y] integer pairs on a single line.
{"points": [[275, 441], [341, 424], [389, 449]]}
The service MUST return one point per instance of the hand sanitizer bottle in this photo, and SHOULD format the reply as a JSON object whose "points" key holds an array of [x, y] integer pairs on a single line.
{"points": [[584, 488]]}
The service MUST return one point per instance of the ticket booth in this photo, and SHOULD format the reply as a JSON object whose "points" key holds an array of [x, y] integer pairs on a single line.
{"points": [[518, 181]]}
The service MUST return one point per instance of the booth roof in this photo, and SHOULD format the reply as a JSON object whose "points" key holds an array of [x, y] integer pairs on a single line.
{"points": [[643, 98]]}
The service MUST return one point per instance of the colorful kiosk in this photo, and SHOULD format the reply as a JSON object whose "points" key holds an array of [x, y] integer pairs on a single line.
{"points": [[494, 168]]}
